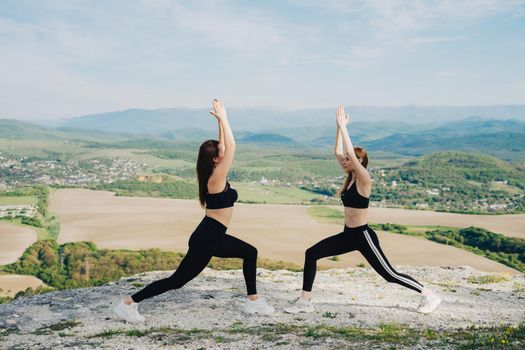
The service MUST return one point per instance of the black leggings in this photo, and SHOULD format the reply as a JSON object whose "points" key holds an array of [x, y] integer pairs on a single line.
{"points": [[209, 239], [363, 239]]}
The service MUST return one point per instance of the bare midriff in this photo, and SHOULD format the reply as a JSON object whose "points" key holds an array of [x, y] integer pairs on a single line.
{"points": [[223, 215], [355, 217]]}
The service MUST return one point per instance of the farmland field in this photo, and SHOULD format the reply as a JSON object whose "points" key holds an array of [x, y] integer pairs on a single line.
{"points": [[11, 284], [13, 241], [280, 232]]}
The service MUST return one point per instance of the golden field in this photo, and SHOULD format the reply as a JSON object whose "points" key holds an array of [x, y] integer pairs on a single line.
{"points": [[280, 232], [13, 241]]}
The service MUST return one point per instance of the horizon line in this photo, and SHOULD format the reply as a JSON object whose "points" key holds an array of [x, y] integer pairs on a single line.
{"points": [[274, 108]]}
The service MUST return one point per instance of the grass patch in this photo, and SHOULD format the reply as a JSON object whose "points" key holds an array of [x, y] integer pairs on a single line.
{"points": [[136, 333], [4, 300], [151, 332], [504, 337], [221, 339], [487, 279], [398, 335], [395, 333], [18, 200], [257, 193], [326, 215], [107, 333], [385, 335], [517, 287], [60, 326], [168, 187]]}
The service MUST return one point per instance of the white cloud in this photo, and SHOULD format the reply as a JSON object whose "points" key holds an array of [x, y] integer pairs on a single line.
{"points": [[417, 14], [245, 32], [68, 58], [406, 24], [66, 68], [41, 87]]}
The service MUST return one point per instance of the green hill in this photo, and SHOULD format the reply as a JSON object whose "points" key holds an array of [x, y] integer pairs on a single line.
{"points": [[454, 181], [15, 129], [458, 168], [19, 130], [501, 138]]}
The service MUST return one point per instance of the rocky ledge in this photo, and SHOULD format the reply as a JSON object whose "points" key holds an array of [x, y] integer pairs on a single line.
{"points": [[355, 308]]}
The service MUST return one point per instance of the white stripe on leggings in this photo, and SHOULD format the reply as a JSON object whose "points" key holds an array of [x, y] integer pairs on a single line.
{"points": [[385, 265]]}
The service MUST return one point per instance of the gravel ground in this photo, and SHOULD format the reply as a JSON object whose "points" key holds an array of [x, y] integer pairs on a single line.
{"points": [[206, 313]]}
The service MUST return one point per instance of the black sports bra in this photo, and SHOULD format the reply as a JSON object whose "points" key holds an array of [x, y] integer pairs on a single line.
{"points": [[352, 199], [224, 199]]}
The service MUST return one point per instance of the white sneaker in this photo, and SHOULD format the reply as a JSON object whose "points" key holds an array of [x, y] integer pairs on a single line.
{"points": [[429, 303], [300, 305], [129, 313], [257, 306]]}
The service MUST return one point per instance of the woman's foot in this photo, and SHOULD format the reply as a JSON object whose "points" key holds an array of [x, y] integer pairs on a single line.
{"points": [[429, 303], [257, 306], [129, 313], [300, 305]]}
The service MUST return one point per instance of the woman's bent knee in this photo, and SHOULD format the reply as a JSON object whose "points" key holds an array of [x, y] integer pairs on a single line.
{"points": [[252, 252], [310, 254]]}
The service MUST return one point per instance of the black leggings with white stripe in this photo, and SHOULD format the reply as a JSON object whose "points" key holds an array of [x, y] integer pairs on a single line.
{"points": [[363, 239]]}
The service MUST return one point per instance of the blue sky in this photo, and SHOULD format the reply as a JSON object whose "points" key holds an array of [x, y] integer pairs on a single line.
{"points": [[67, 58]]}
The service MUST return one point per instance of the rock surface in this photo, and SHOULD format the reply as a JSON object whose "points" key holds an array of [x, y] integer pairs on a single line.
{"points": [[207, 312]]}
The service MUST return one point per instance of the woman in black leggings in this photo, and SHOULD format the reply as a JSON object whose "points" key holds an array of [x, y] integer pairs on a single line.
{"points": [[209, 238], [357, 235]]}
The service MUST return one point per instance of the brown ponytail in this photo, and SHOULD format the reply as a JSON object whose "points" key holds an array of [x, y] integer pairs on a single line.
{"points": [[205, 165]]}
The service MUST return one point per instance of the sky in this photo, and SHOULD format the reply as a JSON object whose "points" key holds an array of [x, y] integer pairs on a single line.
{"points": [[61, 59]]}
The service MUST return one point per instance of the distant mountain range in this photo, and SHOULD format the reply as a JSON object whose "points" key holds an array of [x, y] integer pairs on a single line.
{"points": [[20, 130], [502, 138], [157, 121]]}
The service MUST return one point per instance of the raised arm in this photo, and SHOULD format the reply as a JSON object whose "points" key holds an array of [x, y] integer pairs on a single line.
{"points": [[362, 173], [221, 132], [338, 148], [218, 178]]}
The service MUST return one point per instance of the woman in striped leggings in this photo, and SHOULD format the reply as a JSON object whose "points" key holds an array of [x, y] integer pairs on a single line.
{"points": [[357, 235]]}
